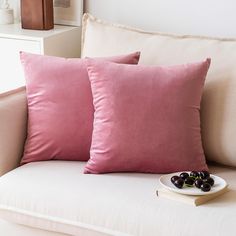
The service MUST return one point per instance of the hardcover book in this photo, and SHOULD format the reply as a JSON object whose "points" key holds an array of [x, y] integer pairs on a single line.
{"points": [[189, 199]]}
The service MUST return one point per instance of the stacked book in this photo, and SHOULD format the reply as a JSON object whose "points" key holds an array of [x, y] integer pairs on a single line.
{"points": [[194, 200]]}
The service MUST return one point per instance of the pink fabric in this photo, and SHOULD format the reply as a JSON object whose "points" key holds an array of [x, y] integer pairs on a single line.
{"points": [[146, 117], [60, 109]]}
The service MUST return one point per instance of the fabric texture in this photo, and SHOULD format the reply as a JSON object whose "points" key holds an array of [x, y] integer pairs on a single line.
{"points": [[12, 229], [218, 108], [13, 123], [60, 109], [120, 204], [146, 117]]}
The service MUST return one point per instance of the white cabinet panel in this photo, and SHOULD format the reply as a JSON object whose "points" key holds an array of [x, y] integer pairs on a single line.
{"points": [[63, 41], [11, 73]]}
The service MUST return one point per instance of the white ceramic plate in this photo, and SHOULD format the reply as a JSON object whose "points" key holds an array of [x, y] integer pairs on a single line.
{"points": [[166, 183]]}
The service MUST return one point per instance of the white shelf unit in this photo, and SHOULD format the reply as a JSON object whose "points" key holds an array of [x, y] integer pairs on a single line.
{"points": [[62, 41]]}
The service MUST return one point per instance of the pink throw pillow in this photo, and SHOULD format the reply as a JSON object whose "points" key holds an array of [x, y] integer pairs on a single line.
{"points": [[60, 107], [146, 117]]}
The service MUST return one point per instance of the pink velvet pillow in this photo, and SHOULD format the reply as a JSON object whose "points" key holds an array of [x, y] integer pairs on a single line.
{"points": [[146, 117], [60, 108]]}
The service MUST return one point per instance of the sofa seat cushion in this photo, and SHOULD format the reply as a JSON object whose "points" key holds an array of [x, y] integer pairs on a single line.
{"points": [[57, 196], [12, 229]]}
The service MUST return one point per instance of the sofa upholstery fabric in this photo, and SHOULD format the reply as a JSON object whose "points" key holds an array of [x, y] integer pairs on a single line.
{"points": [[12, 229], [13, 123], [218, 110], [124, 204]]}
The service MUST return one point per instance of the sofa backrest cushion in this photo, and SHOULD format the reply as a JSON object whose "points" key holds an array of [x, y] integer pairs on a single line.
{"points": [[218, 108], [60, 107]]}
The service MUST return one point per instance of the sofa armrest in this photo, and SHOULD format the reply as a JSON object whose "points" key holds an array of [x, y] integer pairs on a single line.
{"points": [[13, 128]]}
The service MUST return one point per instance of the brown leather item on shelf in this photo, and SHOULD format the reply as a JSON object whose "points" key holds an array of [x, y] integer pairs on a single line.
{"points": [[37, 14]]}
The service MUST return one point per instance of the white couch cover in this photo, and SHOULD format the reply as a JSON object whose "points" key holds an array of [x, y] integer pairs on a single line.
{"points": [[57, 196]]}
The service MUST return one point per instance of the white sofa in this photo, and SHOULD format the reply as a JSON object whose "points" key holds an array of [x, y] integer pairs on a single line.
{"points": [[55, 198]]}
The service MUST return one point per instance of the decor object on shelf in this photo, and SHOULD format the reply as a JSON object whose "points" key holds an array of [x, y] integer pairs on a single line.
{"points": [[37, 14], [62, 3], [15, 5], [68, 12], [6, 14]]}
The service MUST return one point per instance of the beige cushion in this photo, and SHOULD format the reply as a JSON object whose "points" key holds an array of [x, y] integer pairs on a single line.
{"points": [[57, 196], [13, 122], [218, 112]]}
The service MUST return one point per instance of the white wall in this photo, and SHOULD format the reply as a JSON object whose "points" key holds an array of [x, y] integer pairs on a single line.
{"points": [[202, 17]]}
